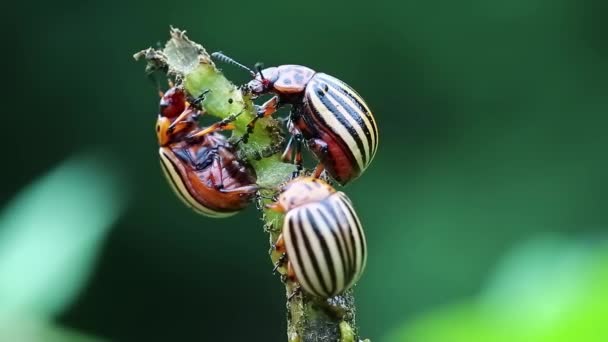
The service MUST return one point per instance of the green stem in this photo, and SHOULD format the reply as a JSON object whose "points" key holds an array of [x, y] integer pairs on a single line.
{"points": [[309, 319]]}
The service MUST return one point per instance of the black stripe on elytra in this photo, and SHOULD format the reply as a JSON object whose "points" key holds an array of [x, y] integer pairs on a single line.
{"points": [[174, 184], [359, 231], [337, 236], [337, 212], [295, 229], [342, 119], [348, 91], [317, 227], [350, 236], [317, 125], [312, 255], [305, 244], [169, 175], [356, 115], [345, 229]]}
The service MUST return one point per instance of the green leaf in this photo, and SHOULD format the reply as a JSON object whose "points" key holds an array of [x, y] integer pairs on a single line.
{"points": [[50, 235], [548, 290], [40, 331]]}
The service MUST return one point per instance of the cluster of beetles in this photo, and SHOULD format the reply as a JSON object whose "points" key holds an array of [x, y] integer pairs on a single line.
{"points": [[322, 240]]}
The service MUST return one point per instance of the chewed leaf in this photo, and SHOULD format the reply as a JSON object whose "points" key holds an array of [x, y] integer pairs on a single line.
{"points": [[183, 55], [50, 234]]}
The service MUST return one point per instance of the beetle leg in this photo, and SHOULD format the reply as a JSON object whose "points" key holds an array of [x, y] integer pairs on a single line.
{"points": [[198, 101], [266, 109], [279, 245], [216, 127], [222, 125], [290, 271], [184, 121], [276, 206], [246, 189], [288, 153], [295, 292], [259, 198], [319, 147], [291, 275], [218, 162], [183, 117], [279, 263], [318, 170], [286, 156], [298, 157], [250, 127]]}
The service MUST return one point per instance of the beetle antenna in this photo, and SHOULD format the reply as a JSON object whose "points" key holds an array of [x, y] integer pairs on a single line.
{"points": [[156, 82], [258, 67], [223, 58]]}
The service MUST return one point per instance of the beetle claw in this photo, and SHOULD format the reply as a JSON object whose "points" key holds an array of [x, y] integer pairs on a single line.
{"points": [[259, 111], [275, 207], [294, 292], [279, 263]]}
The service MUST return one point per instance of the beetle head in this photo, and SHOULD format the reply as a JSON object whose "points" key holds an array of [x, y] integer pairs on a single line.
{"points": [[303, 190], [263, 81], [172, 102], [175, 117]]}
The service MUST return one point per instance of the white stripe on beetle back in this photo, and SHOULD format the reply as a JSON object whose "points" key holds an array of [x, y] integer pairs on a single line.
{"points": [[301, 263], [327, 229], [315, 246], [361, 233], [331, 121], [355, 124], [177, 184], [359, 237], [333, 236], [341, 227], [370, 122]]}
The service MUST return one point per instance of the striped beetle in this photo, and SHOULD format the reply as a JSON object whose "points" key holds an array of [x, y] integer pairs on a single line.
{"points": [[337, 124], [322, 237], [203, 171]]}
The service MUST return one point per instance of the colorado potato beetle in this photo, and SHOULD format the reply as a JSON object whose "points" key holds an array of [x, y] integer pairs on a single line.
{"points": [[334, 120], [322, 237], [202, 169]]}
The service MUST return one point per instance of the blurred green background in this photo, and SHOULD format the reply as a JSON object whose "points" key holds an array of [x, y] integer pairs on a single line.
{"points": [[485, 208]]}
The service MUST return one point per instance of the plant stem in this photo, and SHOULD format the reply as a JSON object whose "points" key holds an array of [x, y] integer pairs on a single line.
{"points": [[309, 319]]}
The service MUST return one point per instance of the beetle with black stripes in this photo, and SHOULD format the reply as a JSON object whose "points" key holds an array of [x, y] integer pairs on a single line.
{"points": [[322, 237], [335, 122]]}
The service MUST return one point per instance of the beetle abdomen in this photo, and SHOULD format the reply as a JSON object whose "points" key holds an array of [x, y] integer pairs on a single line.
{"points": [[207, 187], [336, 108], [325, 245], [177, 176]]}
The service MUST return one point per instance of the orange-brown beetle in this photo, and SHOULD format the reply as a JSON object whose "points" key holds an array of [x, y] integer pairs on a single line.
{"points": [[202, 169]]}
